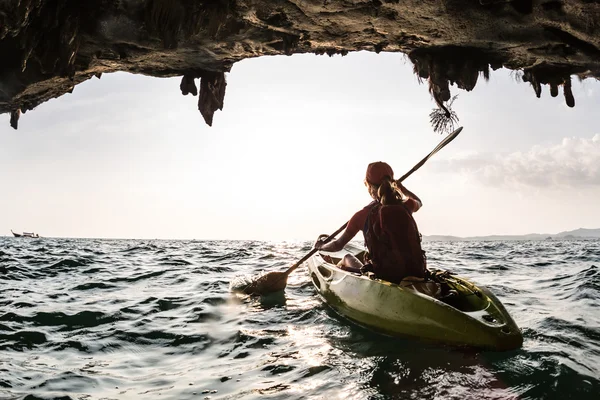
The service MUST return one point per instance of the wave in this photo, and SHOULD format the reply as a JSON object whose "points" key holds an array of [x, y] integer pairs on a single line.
{"points": [[157, 319]]}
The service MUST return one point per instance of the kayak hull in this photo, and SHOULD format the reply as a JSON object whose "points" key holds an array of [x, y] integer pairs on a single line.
{"points": [[474, 317]]}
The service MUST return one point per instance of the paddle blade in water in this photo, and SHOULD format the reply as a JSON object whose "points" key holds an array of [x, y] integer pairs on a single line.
{"points": [[240, 283], [263, 284]]}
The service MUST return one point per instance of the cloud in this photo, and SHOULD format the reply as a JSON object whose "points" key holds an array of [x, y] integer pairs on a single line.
{"points": [[574, 163]]}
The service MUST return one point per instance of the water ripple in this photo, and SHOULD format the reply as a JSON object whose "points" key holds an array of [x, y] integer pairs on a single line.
{"points": [[139, 319]]}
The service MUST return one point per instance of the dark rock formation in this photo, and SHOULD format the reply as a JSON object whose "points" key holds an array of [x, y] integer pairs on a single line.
{"points": [[47, 47]]}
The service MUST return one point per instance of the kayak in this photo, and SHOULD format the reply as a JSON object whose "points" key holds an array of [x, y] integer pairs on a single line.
{"points": [[445, 308]]}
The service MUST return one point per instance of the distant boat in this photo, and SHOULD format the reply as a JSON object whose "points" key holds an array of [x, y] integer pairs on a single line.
{"points": [[26, 234]]}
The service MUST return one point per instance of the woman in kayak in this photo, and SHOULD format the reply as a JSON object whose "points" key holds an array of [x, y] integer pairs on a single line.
{"points": [[391, 234]]}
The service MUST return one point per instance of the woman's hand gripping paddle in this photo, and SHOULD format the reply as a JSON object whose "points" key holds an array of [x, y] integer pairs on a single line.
{"points": [[275, 281]]}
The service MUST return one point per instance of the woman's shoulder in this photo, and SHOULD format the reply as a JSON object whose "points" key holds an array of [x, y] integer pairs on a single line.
{"points": [[360, 217], [363, 212]]}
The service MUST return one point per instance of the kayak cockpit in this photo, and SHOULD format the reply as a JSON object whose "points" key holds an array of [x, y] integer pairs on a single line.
{"points": [[448, 288]]}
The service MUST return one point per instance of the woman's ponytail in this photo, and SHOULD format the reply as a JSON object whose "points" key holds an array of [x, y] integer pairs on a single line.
{"points": [[387, 193]]}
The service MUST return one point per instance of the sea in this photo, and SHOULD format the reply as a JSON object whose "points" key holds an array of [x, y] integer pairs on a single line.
{"points": [[156, 319]]}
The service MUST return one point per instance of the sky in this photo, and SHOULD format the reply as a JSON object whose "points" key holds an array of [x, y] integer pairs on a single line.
{"points": [[128, 156]]}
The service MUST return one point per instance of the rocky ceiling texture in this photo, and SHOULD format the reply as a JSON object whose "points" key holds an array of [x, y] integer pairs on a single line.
{"points": [[47, 47]]}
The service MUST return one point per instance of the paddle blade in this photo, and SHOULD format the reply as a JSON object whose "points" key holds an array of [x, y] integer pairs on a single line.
{"points": [[265, 284], [240, 283]]}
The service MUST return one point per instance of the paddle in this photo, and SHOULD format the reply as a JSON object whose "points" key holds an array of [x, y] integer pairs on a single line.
{"points": [[276, 281]]}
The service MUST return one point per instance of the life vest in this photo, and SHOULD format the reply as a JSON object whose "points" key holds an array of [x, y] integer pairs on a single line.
{"points": [[394, 243]]}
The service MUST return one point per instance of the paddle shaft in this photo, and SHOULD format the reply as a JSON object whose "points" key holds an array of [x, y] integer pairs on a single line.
{"points": [[313, 251], [443, 143]]}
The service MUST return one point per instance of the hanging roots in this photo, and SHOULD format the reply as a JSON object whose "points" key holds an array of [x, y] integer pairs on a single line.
{"points": [[443, 119]]}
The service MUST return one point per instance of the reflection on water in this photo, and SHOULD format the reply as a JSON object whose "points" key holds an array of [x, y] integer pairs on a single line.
{"points": [[114, 319]]}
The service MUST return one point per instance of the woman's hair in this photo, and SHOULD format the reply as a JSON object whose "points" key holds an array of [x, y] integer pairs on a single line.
{"points": [[386, 193]]}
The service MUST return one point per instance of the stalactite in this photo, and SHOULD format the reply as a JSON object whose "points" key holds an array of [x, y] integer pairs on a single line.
{"points": [[568, 93], [553, 89], [212, 94], [188, 85], [14, 118]]}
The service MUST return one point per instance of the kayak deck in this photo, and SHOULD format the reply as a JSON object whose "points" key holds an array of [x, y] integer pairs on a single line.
{"points": [[446, 308]]}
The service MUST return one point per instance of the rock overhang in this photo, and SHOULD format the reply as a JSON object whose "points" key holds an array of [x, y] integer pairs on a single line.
{"points": [[50, 46]]}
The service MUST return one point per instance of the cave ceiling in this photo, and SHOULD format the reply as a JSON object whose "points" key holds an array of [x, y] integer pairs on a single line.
{"points": [[47, 47]]}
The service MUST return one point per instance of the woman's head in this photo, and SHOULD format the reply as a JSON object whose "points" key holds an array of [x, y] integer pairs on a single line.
{"points": [[377, 172], [380, 183]]}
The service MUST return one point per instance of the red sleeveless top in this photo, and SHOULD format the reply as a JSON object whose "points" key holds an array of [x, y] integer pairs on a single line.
{"points": [[394, 243]]}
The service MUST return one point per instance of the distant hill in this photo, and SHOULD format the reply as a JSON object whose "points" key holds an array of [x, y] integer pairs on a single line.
{"points": [[443, 238], [581, 233]]}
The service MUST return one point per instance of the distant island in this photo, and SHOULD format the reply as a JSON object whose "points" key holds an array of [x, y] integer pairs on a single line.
{"points": [[577, 234]]}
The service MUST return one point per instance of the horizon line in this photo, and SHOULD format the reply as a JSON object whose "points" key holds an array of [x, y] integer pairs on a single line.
{"points": [[562, 233]]}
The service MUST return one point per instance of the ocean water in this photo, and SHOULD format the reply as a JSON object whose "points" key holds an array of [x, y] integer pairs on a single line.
{"points": [[139, 319]]}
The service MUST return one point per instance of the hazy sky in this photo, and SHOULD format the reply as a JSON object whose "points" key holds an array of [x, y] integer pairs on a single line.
{"points": [[128, 156]]}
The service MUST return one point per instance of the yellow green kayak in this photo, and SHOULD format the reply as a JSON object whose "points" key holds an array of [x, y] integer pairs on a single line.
{"points": [[445, 308]]}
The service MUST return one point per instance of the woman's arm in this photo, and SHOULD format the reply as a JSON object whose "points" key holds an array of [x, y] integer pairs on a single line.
{"points": [[417, 201], [337, 244], [354, 225]]}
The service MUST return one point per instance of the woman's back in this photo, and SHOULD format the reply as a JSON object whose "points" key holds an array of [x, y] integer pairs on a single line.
{"points": [[394, 243]]}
